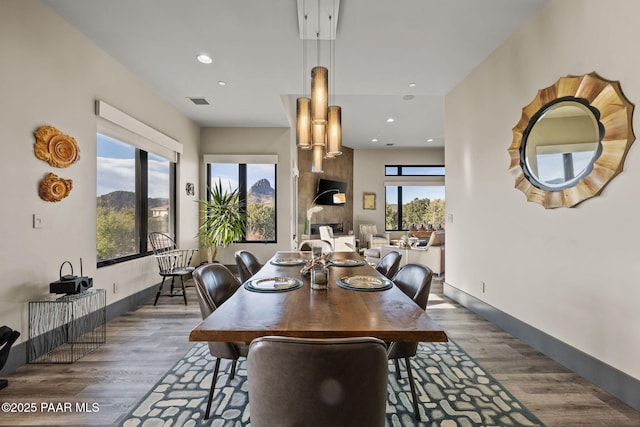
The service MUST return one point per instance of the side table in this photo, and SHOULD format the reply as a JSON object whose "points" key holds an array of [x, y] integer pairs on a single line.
{"points": [[64, 329]]}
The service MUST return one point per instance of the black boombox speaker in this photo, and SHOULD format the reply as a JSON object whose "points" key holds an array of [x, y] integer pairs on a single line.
{"points": [[70, 284]]}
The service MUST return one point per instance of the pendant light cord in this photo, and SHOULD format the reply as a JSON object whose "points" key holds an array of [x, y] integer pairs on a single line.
{"points": [[304, 48]]}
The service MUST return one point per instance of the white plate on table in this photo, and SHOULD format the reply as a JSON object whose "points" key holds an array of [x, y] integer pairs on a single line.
{"points": [[347, 262], [364, 283], [289, 261], [273, 284]]}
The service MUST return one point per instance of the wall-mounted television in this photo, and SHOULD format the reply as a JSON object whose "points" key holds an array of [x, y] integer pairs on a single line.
{"points": [[330, 192]]}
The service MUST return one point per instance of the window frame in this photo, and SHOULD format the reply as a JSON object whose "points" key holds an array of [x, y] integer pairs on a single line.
{"points": [[116, 124], [242, 193], [403, 172], [142, 203]]}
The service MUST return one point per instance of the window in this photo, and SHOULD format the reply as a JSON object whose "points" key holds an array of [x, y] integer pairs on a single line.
{"points": [[134, 197], [414, 203], [136, 177], [256, 184], [414, 170], [557, 169]]}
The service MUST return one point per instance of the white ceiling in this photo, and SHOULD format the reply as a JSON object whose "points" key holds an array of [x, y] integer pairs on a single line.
{"points": [[381, 46]]}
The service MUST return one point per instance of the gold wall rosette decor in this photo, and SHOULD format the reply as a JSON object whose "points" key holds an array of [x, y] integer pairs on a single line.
{"points": [[55, 148], [53, 188]]}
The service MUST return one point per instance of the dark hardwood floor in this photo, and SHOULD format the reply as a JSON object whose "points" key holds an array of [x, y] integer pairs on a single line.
{"points": [[142, 345]]}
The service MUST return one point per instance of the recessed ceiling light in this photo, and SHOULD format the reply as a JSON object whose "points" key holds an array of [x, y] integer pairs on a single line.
{"points": [[408, 97], [204, 58], [430, 140], [391, 120], [374, 139], [412, 84], [389, 144], [222, 83]]}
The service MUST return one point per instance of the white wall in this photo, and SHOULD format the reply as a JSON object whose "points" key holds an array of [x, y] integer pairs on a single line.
{"points": [[368, 176], [571, 273], [51, 75], [255, 141]]}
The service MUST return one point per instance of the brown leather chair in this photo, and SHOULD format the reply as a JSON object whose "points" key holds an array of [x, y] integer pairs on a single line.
{"points": [[317, 382], [248, 265], [214, 285], [415, 281], [389, 264]]}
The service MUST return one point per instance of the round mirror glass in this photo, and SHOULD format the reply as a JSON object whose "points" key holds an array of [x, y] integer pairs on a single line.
{"points": [[561, 144]]}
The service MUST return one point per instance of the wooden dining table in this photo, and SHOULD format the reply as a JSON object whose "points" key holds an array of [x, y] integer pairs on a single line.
{"points": [[336, 312]]}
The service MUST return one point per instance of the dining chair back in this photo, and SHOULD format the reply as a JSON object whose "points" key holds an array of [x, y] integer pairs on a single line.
{"points": [[247, 264], [415, 281], [317, 382], [172, 263], [389, 264], [215, 283]]}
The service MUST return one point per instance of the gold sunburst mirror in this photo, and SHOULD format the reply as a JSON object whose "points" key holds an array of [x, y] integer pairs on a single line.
{"points": [[571, 140]]}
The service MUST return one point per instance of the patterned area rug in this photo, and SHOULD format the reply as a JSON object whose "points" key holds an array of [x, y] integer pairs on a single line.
{"points": [[452, 388]]}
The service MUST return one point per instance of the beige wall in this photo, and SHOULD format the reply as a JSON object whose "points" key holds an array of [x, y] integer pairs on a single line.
{"points": [[253, 141], [571, 273], [368, 172], [51, 75]]}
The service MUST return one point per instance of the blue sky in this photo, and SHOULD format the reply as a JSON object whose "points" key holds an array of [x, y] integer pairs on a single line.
{"points": [[116, 169], [228, 172]]}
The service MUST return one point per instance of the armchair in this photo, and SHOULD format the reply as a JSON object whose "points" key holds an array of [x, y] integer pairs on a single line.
{"points": [[370, 238], [346, 243], [326, 234], [372, 241]]}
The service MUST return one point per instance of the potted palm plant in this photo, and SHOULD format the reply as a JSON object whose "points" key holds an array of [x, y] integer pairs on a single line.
{"points": [[222, 223]]}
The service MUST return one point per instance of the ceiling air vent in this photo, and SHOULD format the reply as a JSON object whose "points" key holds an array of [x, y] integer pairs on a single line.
{"points": [[199, 101]]}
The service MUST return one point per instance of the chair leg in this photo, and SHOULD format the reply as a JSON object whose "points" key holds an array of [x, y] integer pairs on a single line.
{"points": [[159, 290], [413, 390], [398, 372], [213, 386], [184, 291], [233, 369]]}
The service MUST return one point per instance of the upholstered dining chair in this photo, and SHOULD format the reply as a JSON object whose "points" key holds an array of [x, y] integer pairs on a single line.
{"points": [[214, 285], [317, 382], [248, 264], [389, 264], [415, 281]]}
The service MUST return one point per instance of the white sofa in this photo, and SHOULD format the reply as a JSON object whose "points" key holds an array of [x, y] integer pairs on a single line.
{"points": [[431, 255]]}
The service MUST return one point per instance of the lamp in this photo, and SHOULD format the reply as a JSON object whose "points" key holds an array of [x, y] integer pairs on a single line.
{"points": [[338, 198], [307, 220], [303, 123], [318, 125]]}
